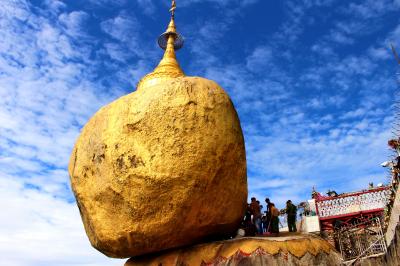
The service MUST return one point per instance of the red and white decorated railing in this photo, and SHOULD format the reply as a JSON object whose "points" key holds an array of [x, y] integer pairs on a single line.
{"points": [[352, 203]]}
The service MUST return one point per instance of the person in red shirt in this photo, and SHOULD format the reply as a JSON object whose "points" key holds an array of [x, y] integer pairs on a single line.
{"points": [[256, 212]]}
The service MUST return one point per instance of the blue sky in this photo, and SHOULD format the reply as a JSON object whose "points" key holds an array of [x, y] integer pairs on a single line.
{"points": [[313, 82]]}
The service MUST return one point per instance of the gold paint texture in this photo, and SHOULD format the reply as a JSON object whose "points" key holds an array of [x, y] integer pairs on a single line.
{"points": [[160, 168], [168, 68], [195, 255]]}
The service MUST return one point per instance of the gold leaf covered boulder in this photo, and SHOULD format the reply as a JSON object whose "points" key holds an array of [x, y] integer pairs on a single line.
{"points": [[162, 167]]}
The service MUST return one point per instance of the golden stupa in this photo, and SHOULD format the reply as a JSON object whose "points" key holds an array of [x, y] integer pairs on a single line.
{"points": [[168, 68], [162, 167]]}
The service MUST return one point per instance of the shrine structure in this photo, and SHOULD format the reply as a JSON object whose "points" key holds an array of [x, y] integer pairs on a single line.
{"points": [[352, 222], [350, 208]]}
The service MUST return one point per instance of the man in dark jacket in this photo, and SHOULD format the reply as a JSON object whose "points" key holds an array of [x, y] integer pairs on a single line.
{"points": [[291, 211]]}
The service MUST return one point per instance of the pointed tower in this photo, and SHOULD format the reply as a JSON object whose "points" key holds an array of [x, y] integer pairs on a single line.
{"points": [[168, 68], [162, 167]]}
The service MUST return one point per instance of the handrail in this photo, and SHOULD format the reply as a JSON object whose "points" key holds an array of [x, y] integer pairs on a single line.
{"points": [[360, 202], [354, 194]]}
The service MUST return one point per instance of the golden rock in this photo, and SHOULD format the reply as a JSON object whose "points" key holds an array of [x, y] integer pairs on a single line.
{"points": [[162, 167], [289, 250]]}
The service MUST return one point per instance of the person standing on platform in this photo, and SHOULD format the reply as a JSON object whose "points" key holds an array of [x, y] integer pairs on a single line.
{"points": [[249, 227], [291, 211], [261, 223], [274, 219], [267, 222], [256, 212]]}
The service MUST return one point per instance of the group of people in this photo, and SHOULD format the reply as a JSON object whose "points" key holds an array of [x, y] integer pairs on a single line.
{"points": [[257, 222]]}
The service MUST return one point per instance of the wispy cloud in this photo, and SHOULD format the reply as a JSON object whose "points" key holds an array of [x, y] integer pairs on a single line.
{"points": [[43, 230], [313, 92], [371, 9], [47, 94]]}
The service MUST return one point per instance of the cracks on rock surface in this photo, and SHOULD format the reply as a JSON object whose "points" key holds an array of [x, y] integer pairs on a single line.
{"points": [[125, 162]]}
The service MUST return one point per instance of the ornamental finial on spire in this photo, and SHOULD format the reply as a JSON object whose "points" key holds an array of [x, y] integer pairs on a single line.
{"points": [[172, 10], [171, 31], [168, 68]]}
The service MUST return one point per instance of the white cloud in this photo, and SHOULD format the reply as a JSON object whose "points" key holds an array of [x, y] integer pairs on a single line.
{"points": [[204, 37], [339, 37], [218, 3], [260, 59], [394, 37], [108, 2], [379, 53], [297, 19], [43, 230], [126, 33], [371, 8], [55, 5], [122, 27], [47, 92], [147, 6], [74, 22]]}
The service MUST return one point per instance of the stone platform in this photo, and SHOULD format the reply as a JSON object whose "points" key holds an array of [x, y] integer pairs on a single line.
{"points": [[287, 249]]}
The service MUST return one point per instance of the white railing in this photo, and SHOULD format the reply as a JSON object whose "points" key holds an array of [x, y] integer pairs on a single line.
{"points": [[353, 203]]}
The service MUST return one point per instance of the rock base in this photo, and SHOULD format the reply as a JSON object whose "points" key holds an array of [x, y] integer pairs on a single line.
{"points": [[293, 249]]}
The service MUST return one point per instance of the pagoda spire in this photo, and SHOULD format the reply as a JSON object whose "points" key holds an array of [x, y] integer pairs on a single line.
{"points": [[168, 68]]}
